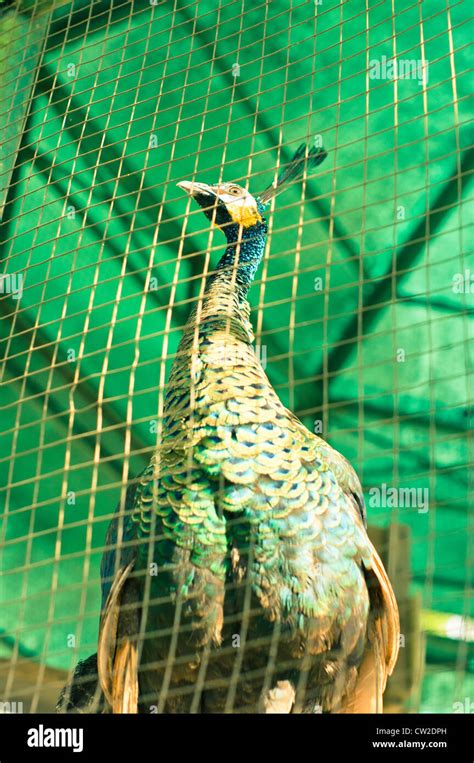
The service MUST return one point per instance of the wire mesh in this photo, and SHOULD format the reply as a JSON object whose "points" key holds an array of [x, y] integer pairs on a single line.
{"points": [[362, 308]]}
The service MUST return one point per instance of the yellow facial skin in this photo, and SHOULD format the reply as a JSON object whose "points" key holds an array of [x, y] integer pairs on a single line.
{"points": [[244, 215], [240, 204]]}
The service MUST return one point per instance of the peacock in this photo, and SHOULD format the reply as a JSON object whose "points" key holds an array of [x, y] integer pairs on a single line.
{"points": [[239, 576]]}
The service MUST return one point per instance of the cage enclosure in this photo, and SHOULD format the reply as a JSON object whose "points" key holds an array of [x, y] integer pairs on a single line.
{"points": [[362, 308]]}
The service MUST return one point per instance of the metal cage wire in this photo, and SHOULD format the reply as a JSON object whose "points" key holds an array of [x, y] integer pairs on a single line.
{"points": [[362, 307]]}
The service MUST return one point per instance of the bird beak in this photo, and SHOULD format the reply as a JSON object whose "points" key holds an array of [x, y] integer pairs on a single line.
{"points": [[196, 189]]}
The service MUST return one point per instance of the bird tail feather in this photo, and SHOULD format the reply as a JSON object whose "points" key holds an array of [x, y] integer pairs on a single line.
{"points": [[303, 160]]}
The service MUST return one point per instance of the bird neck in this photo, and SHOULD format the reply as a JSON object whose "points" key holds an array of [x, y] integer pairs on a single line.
{"points": [[240, 261]]}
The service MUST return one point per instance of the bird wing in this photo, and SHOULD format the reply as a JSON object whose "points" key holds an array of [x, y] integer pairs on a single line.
{"points": [[383, 632], [117, 655], [381, 651], [82, 694]]}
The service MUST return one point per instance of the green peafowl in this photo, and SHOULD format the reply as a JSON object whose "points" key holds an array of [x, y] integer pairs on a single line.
{"points": [[239, 576]]}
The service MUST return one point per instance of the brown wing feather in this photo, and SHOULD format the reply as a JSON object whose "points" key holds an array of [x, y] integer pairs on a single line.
{"points": [[390, 618], [125, 679], [383, 635], [117, 657], [366, 696]]}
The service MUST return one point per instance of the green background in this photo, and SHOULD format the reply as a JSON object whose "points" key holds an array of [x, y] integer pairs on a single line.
{"points": [[116, 102]]}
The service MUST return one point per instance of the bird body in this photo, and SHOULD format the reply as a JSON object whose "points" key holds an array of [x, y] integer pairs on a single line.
{"points": [[240, 576]]}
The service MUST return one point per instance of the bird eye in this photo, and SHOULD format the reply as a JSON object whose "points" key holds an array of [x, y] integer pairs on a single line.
{"points": [[234, 190]]}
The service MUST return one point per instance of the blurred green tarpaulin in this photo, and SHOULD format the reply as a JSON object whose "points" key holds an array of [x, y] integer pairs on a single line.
{"points": [[364, 306]]}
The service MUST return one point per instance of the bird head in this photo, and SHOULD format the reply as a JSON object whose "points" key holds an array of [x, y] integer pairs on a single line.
{"points": [[228, 205], [225, 204]]}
